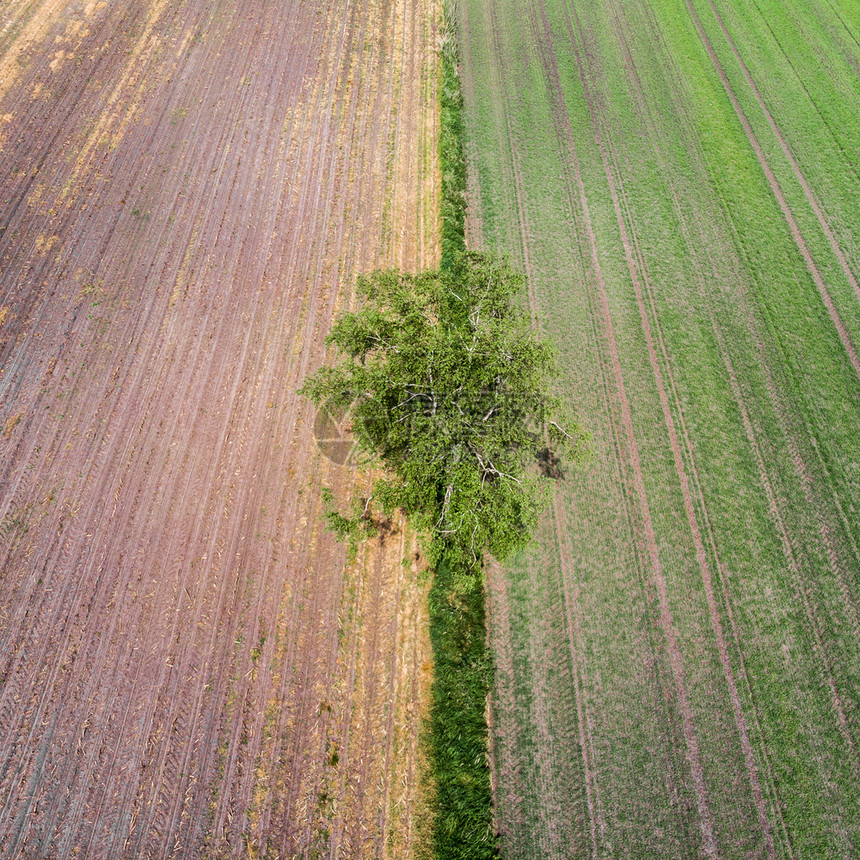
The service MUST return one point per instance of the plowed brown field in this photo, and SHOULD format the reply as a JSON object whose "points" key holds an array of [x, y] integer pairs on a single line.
{"points": [[188, 666]]}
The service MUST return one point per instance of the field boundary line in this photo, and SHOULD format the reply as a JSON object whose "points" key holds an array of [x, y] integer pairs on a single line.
{"points": [[507, 806], [498, 618]]}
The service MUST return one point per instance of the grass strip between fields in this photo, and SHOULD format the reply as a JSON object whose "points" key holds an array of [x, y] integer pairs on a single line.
{"points": [[463, 674], [458, 733], [451, 145]]}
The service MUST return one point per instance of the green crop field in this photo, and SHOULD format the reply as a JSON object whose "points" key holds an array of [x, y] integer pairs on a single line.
{"points": [[678, 657]]}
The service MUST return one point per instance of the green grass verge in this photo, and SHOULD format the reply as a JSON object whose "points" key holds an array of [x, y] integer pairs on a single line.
{"points": [[462, 678], [452, 156], [458, 734]]}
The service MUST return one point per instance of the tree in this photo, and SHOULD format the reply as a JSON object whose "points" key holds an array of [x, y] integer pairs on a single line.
{"points": [[449, 391]]}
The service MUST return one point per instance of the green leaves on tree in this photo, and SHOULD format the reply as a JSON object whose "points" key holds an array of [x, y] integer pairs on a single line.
{"points": [[450, 393]]}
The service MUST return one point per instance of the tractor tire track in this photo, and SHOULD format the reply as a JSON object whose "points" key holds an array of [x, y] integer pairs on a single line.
{"points": [[700, 550], [789, 551], [636, 267], [595, 822], [811, 198], [666, 622], [753, 441], [564, 141], [848, 163], [799, 241], [693, 755]]}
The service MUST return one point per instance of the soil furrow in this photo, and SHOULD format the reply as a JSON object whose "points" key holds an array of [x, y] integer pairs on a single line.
{"points": [[637, 267], [585, 744], [693, 755], [811, 198], [811, 266], [196, 261]]}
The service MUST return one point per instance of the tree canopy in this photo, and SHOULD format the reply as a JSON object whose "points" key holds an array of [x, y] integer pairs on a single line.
{"points": [[449, 390]]}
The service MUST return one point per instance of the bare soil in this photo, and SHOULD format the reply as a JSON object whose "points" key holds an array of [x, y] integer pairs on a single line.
{"points": [[188, 665]]}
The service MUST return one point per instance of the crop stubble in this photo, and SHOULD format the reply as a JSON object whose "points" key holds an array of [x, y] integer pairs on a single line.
{"points": [[187, 665]]}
